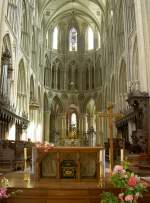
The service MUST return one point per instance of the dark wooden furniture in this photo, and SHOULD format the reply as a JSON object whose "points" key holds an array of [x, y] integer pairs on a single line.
{"points": [[85, 162]]}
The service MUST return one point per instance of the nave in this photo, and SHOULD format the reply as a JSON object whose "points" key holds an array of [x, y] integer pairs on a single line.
{"points": [[74, 94]]}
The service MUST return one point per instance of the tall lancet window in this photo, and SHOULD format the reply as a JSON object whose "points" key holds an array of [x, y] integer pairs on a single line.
{"points": [[74, 120], [55, 38], [73, 39], [90, 38]]}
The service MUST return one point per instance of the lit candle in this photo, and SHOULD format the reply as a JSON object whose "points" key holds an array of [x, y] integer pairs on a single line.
{"points": [[101, 155], [25, 153], [104, 164], [101, 170], [122, 155]]}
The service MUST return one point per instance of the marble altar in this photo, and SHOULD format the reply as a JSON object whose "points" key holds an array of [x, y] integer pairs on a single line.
{"points": [[49, 164]]}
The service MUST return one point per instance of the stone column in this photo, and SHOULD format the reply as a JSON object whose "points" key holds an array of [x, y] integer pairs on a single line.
{"points": [[63, 127], [62, 80], [90, 121], [98, 129], [81, 125], [46, 125], [102, 131], [3, 11], [55, 81], [143, 40]]}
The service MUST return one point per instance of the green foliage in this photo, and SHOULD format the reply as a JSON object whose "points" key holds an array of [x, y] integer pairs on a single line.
{"points": [[129, 183], [118, 181], [108, 197]]}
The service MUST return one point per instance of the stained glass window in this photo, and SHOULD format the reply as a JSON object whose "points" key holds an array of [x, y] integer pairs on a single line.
{"points": [[73, 120], [73, 40]]}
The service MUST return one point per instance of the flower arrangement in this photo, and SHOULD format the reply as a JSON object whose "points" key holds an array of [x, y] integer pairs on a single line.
{"points": [[4, 184], [44, 147], [129, 183]]}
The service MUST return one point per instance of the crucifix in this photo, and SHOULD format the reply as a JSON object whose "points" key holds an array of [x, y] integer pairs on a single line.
{"points": [[109, 114]]}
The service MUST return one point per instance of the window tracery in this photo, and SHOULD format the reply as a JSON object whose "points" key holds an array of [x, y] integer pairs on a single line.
{"points": [[21, 89], [12, 14], [24, 28], [73, 39]]}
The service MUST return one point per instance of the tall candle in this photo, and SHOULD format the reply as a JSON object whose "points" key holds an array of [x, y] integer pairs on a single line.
{"points": [[25, 153], [101, 155], [122, 155], [104, 164]]}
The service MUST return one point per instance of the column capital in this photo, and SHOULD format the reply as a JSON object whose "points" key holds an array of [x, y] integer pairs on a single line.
{"points": [[63, 115]]}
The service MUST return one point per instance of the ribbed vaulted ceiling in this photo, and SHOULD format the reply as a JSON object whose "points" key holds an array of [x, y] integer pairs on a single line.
{"points": [[52, 10]]}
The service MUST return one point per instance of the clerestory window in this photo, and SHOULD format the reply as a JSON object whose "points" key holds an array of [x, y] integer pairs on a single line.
{"points": [[90, 38], [55, 38], [73, 39]]}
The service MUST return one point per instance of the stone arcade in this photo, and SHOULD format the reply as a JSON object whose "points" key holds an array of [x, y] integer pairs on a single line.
{"points": [[63, 62]]}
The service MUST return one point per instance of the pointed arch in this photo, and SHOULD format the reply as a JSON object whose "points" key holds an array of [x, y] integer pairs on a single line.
{"points": [[6, 69], [6, 44], [57, 105], [135, 62], [21, 89], [122, 78]]}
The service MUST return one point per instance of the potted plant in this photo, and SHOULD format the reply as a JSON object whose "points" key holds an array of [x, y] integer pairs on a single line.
{"points": [[129, 183]]}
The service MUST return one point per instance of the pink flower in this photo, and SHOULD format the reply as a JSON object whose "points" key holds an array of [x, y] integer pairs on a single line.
{"points": [[129, 198], [3, 193], [121, 196], [118, 169], [132, 181]]}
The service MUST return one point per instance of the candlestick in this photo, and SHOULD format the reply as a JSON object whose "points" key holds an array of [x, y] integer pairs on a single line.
{"points": [[26, 170], [104, 163], [101, 167], [122, 155], [25, 153], [101, 155]]}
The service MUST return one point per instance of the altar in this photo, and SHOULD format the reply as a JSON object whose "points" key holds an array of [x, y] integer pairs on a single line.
{"points": [[78, 163]]}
